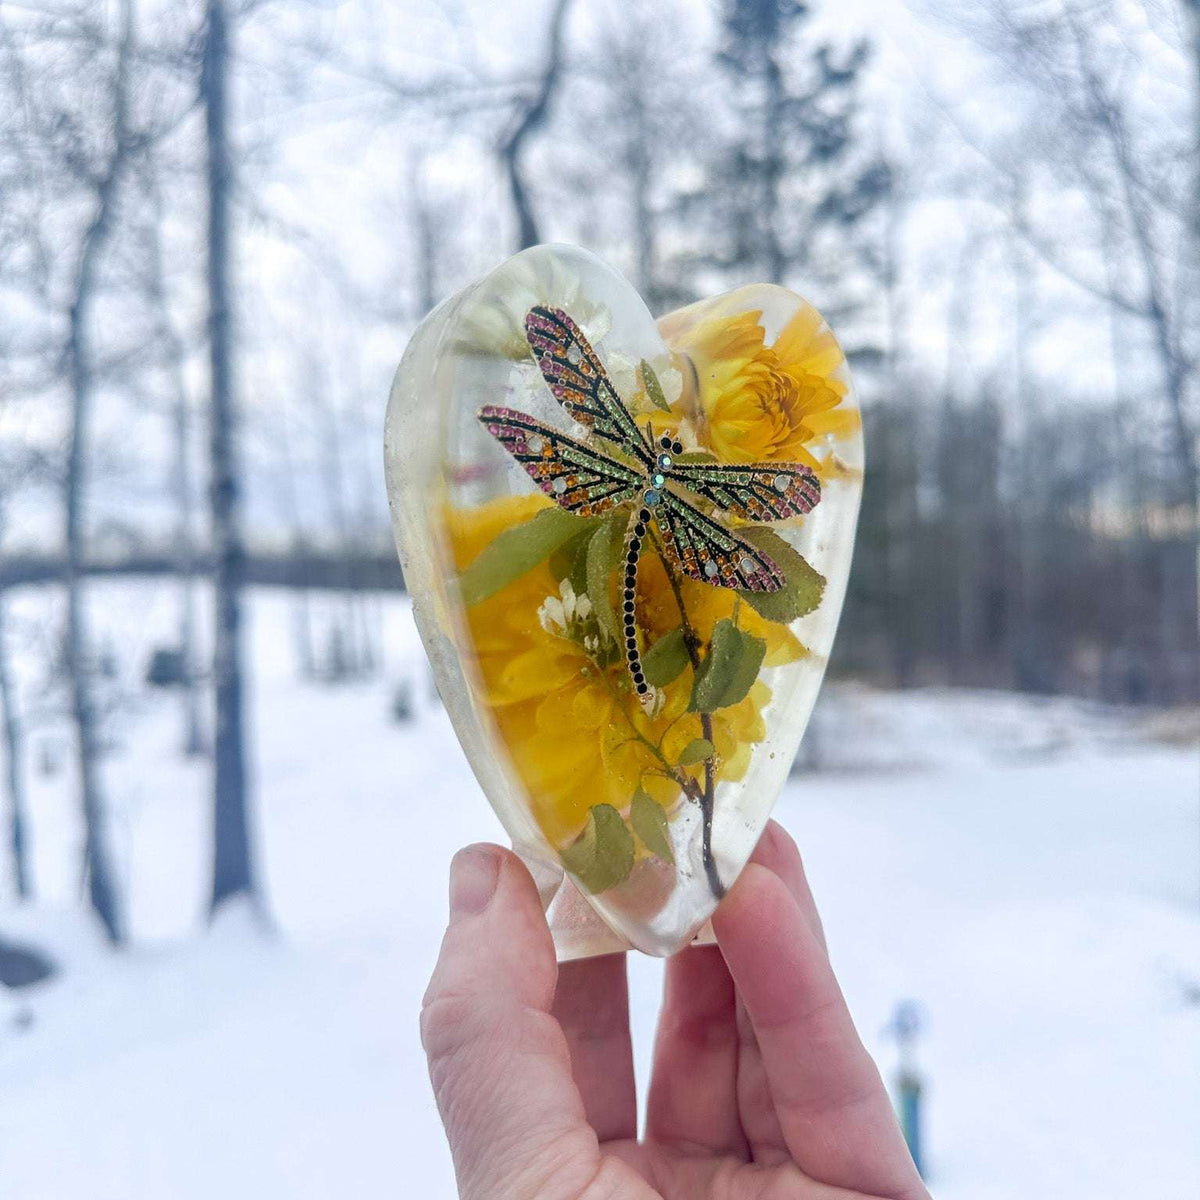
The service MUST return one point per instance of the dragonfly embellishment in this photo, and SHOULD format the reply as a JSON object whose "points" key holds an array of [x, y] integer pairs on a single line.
{"points": [[584, 480]]}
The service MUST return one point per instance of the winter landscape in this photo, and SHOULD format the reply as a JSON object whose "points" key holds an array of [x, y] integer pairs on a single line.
{"points": [[1024, 870], [221, 222]]}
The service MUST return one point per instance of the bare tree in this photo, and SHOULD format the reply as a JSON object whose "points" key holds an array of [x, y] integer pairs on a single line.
{"points": [[80, 366], [1090, 136], [14, 741], [14, 764], [1097, 185], [635, 127], [233, 863], [529, 116], [174, 353]]}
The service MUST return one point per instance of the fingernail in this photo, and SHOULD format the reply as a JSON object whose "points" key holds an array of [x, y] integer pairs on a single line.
{"points": [[473, 877]]}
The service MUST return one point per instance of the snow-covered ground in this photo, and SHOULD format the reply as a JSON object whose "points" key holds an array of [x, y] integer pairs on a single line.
{"points": [[1027, 872]]}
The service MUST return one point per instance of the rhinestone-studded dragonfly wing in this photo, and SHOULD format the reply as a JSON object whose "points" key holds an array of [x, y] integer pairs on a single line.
{"points": [[709, 552], [577, 378], [753, 491], [573, 475]]}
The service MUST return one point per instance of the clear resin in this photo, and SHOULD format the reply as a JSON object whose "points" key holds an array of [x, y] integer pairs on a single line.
{"points": [[627, 545]]}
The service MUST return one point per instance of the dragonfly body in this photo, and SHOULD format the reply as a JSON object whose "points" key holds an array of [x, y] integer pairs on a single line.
{"points": [[648, 479]]}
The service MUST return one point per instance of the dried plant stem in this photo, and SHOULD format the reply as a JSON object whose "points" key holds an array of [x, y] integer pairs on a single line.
{"points": [[706, 799]]}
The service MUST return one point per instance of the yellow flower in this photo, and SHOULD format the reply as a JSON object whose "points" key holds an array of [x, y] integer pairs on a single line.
{"points": [[750, 402], [560, 698]]}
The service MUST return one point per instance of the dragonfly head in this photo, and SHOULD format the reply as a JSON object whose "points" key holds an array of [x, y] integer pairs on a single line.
{"points": [[668, 447], [661, 471]]}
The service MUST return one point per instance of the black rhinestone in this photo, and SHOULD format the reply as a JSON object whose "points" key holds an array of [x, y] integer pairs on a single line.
{"points": [[643, 516], [635, 545], [642, 689], [677, 447], [629, 593], [629, 606]]}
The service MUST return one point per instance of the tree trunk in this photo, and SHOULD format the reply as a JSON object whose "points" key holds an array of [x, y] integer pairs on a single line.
{"points": [[772, 170], [898, 486], [193, 741], [645, 230], [233, 873], [1192, 15], [14, 775], [1193, 12], [532, 117], [302, 624], [98, 864], [1192, 8], [425, 242]]}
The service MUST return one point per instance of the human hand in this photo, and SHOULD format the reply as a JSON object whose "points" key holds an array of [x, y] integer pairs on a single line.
{"points": [[760, 1088]]}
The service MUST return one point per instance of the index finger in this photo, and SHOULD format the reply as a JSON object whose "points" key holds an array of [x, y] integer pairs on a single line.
{"points": [[591, 1003], [833, 1109]]}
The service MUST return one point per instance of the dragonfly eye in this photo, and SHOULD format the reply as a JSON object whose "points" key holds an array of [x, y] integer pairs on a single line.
{"points": [[676, 447]]}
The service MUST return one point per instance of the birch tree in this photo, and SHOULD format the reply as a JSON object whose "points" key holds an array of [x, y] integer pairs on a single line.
{"points": [[233, 866]]}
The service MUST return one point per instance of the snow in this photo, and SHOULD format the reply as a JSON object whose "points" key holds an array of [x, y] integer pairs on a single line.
{"points": [[1025, 871]]}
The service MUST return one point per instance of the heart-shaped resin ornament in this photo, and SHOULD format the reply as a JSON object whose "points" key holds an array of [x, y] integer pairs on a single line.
{"points": [[627, 545]]}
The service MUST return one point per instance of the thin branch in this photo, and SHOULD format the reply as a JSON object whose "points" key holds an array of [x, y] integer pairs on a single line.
{"points": [[528, 121]]}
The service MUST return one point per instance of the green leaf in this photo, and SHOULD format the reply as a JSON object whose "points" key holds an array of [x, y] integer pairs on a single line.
{"points": [[649, 821], [696, 751], [603, 554], [728, 673], [602, 856], [569, 561], [663, 663], [804, 587], [515, 551], [597, 581], [653, 387]]}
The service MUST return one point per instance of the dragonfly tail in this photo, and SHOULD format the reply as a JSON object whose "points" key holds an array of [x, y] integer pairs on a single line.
{"points": [[635, 535]]}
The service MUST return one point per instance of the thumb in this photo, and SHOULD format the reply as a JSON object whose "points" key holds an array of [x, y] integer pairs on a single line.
{"points": [[499, 1062]]}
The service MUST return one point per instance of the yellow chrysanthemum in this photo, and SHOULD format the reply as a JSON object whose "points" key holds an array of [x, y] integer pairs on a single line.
{"points": [[750, 402], [575, 733]]}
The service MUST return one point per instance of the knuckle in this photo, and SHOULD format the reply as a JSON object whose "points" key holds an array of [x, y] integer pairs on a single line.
{"points": [[450, 1020]]}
